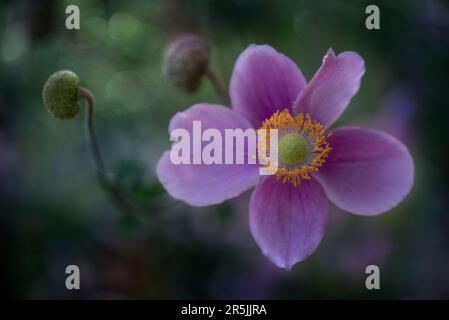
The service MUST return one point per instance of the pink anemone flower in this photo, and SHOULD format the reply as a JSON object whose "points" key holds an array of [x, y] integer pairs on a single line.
{"points": [[362, 171]]}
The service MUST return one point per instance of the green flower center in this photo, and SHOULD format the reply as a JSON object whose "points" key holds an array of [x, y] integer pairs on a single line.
{"points": [[293, 148]]}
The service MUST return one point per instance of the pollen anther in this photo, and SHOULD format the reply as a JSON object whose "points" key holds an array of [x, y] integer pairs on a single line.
{"points": [[313, 131]]}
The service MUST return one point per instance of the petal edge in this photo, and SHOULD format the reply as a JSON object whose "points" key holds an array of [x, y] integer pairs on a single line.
{"points": [[328, 94], [264, 81], [201, 184], [368, 172], [288, 222]]}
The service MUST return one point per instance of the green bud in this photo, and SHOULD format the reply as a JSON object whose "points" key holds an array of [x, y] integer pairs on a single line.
{"points": [[185, 62], [60, 94]]}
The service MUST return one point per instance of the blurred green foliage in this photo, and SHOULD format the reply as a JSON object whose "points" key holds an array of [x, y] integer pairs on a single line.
{"points": [[53, 212]]}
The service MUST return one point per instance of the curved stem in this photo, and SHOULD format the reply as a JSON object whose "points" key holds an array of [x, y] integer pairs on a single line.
{"points": [[217, 84], [90, 132], [103, 179]]}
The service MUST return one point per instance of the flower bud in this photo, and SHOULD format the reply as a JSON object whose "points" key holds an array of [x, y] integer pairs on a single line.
{"points": [[185, 62], [60, 94]]}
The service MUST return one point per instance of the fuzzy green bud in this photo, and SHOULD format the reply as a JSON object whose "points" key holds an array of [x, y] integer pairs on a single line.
{"points": [[60, 94], [186, 61]]}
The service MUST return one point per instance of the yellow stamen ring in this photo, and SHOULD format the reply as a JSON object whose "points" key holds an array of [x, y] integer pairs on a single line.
{"points": [[290, 128]]}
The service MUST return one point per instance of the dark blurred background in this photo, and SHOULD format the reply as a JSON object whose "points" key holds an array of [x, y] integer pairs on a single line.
{"points": [[53, 212]]}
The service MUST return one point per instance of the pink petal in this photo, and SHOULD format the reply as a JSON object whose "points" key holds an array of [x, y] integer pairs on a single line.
{"points": [[201, 184], [288, 222], [331, 89], [264, 81], [368, 172]]}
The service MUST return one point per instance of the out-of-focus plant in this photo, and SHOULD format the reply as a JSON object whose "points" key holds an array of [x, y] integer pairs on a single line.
{"points": [[185, 62], [61, 95]]}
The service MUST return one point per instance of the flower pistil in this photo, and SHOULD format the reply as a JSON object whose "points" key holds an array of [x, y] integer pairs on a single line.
{"points": [[302, 145]]}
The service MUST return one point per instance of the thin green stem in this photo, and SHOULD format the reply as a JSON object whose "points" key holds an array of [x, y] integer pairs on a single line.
{"points": [[120, 199], [217, 84]]}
